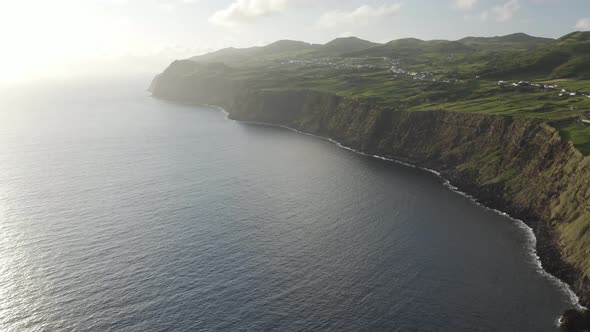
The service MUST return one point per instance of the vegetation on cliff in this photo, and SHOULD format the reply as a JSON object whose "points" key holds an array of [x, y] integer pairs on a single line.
{"points": [[517, 75]]}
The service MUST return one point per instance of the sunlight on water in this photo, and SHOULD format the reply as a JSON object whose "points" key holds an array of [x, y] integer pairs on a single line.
{"points": [[122, 212]]}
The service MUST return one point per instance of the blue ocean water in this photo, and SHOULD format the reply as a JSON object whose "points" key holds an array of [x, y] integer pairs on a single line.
{"points": [[120, 212]]}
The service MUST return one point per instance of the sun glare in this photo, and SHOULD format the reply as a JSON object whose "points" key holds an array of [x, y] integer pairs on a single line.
{"points": [[42, 38]]}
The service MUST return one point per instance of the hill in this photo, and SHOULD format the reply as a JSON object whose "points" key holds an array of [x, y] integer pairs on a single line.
{"points": [[512, 42], [566, 57], [419, 74], [346, 45], [513, 55], [412, 47], [237, 56]]}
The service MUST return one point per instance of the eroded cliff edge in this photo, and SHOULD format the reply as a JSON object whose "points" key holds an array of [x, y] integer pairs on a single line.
{"points": [[517, 165]]}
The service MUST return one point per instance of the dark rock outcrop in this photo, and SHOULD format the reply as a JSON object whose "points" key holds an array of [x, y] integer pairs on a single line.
{"points": [[575, 320]]}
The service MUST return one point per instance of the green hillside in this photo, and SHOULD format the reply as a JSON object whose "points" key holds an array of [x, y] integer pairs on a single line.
{"points": [[241, 56], [566, 57], [516, 75], [513, 42], [346, 45]]}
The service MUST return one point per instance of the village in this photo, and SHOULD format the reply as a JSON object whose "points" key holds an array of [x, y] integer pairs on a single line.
{"points": [[542, 87], [337, 62], [395, 67], [392, 64]]}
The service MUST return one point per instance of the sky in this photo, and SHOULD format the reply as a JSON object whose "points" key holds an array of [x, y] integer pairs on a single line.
{"points": [[41, 38]]}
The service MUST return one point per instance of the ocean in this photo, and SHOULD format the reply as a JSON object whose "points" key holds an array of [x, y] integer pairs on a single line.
{"points": [[121, 212]]}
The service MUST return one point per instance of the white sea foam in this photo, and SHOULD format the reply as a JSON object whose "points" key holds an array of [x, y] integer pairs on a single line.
{"points": [[531, 240]]}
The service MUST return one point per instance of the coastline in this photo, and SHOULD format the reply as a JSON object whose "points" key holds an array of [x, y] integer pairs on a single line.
{"points": [[528, 231]]}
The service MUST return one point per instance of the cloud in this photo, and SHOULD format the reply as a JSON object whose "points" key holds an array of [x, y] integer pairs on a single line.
{"points": [[170, 5], [165, 4], [506, 11], [362, 15], [245, 11], [483, 16], [583, 24], [464, 4]]}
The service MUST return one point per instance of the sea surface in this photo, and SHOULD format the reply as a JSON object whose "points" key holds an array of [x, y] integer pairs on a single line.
{"points": [[121, 212]]}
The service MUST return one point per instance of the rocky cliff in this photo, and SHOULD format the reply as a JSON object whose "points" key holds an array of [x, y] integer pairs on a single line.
{"points": [[517, 165]]}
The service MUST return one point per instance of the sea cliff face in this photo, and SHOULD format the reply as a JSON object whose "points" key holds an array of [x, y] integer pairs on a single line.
{"points": [[517, 165]]}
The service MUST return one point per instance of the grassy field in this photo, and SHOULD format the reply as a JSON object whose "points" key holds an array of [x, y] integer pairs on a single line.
{"points": [[577, 133]]}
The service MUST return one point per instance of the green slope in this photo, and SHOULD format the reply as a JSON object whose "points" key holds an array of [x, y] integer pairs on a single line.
{"points": [[513, 42], [566, 57], [413, 74], [345, 45]]}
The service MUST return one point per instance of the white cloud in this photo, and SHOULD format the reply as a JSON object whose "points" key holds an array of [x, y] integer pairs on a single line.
{"points": [[362, 15], [244, 11], [170, 5], [506, 11], [483, 16], [583, 24], [464, 4], [167, 6]]}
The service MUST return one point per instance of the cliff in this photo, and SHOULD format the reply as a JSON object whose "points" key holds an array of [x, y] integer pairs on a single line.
{"points": [[515, 164]]}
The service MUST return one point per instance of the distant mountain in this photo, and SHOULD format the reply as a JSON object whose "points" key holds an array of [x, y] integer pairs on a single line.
{"points": [[576, 36], [566, 57], [285, 46], [572, 55], [233, 56], [285, 49], [224, 55], [516, 41], [430, 46], [347, 45], [512, 56], [513, 42], [409, 47]]}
